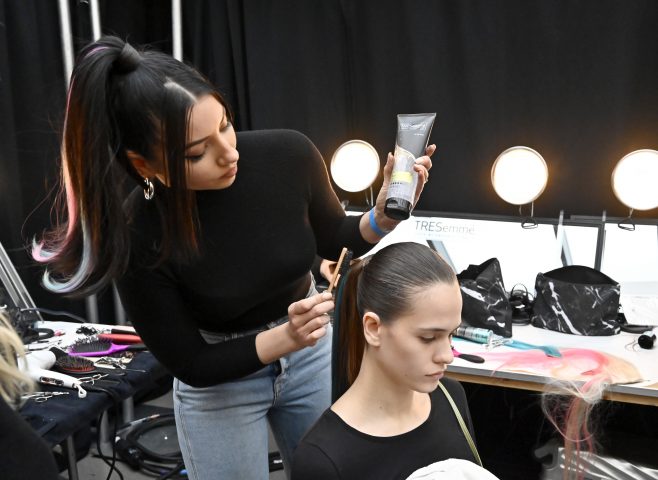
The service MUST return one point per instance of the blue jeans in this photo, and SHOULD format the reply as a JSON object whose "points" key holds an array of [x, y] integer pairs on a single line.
{"points": [[222, 430]]}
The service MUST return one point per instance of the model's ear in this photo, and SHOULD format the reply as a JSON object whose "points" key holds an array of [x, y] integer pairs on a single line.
{"points": [[372, 326], [140, 164]]}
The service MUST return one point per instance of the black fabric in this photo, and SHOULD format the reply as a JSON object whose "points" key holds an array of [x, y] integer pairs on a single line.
{"points": [[576, 299], [485, 303], [68, 414], [333, 450], [574, 79], [23, 454], [259, 238]]}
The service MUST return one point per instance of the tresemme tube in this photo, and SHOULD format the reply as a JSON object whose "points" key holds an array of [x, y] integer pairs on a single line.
{"points": [[411, 141]]}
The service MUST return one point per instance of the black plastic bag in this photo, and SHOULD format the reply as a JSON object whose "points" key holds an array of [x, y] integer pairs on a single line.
{"points": [[485, 303], [578, 300]]}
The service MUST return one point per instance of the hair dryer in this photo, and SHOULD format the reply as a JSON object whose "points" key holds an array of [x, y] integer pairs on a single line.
{"points": [[36, 365]]}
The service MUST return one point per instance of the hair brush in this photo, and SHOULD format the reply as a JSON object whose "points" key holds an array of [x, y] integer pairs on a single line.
{"points": [[74, 365], [341, 268], [99, 347]]}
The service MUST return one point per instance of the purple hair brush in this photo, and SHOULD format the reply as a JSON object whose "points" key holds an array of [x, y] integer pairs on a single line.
{"points": [[94, 347]]}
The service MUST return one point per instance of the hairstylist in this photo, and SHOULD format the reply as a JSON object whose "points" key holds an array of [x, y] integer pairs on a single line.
{"points": [[212, 253]]}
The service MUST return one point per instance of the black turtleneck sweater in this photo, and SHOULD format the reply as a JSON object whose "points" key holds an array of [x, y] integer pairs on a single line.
{"points": [[258, 240]]}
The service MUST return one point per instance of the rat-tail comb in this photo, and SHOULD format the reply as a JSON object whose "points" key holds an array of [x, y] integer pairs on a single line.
{"points": [[341, 268]]}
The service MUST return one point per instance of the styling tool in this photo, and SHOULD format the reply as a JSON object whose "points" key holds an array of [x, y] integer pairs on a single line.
{"points": [[95, 347], [121, 338], [113, 363], [74, 365], [547, 349], [479, 335], [467, 356], [93, 329], [341, 268], [36, 365]]}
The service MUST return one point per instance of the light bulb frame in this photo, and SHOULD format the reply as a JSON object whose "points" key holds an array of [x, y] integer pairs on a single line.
{"points": [[496, 163], [372, 164], [615, 178]]}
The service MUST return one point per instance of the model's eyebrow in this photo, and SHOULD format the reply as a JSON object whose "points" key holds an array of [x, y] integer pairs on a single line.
{"points": [[201, 140], [435, 329]]}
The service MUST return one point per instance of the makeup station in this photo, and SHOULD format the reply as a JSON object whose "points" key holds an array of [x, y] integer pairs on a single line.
{"points": [[624, 250], [464, 240]]}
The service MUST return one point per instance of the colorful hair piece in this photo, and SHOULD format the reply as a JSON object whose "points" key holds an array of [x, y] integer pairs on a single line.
{"points": [[43, 255], [581, 378]]}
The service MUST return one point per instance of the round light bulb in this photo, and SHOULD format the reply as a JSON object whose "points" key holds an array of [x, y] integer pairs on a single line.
{"points": [[635, 180], [519, 175], [355, 165]]}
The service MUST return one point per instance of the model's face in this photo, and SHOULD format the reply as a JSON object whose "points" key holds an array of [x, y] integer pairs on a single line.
{"points": [[211, 156], [416, 348]]}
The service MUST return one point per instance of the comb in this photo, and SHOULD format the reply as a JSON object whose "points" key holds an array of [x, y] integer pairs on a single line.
{"points": [[341, 268], [547, 349]]}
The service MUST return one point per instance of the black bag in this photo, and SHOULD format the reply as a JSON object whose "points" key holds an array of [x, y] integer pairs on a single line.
{"points": [[578, 300], [485, 303]]}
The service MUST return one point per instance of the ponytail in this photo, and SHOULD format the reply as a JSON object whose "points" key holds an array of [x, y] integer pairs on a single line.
{"points": [[89, 247], [119, 100], [351, 341]]}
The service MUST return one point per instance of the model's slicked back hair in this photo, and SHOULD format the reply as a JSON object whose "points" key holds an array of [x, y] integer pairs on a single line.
{"points": [[385, 283], [119, 100]]}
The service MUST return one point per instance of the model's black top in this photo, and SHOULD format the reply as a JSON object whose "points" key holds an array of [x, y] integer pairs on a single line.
{"points": [[23, 454], [333, 450], [258, 240]]}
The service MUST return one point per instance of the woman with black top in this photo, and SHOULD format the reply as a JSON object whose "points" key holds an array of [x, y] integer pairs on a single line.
{"points": [[211, 255], [398, 311]]}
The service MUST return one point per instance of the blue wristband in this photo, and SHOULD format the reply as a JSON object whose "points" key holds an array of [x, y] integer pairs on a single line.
{"points": [[373, 225]]}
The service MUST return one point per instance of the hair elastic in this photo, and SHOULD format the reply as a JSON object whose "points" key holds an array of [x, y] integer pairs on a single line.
{"points": [[373, 225]]}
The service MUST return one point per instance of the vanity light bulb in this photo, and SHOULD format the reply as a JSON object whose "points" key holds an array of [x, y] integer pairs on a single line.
{"points": [[519, 175], [355, 165], [635, 180]]}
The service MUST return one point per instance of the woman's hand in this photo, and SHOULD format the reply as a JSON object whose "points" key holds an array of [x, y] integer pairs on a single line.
{"points": [[307, 319], [307, 323], [422, 167]]}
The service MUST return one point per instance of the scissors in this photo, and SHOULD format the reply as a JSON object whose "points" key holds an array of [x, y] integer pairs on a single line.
{"points": [[42, 397]]}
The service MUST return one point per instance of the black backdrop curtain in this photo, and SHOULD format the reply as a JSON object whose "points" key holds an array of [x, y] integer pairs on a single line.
{"points": [[574, 79]]}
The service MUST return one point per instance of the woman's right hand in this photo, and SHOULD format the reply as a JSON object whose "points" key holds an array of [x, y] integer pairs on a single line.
{"points": [[307, 319], [307, 323]]}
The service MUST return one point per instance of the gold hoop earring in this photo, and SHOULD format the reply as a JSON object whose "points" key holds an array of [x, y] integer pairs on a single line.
{"points": [[149, 189]]}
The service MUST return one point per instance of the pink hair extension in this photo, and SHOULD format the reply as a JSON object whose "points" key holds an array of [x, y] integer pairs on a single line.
{"points": [[42, 254], [581, 375], [83, 272], [94, 50], [39, 252]]}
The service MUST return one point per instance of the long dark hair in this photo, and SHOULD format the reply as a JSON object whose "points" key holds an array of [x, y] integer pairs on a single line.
{"points": [[384, 283], [120, 99]]}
